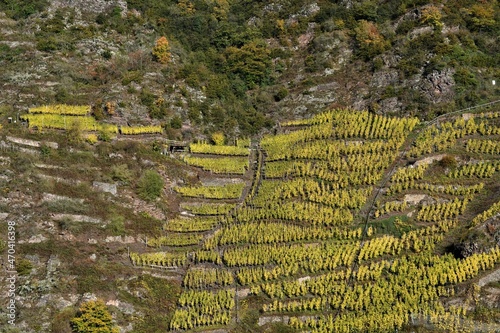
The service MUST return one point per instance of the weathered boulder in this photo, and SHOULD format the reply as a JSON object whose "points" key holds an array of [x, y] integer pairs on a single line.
{"points": [[105, 187]]}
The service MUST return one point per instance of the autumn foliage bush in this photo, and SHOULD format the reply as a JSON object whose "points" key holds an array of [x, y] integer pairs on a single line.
{"points": [[161, 50]]}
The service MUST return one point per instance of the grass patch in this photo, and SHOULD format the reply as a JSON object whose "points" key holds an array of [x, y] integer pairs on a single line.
{"points": [[67, 206], [156, 298], [483, 200], [65, 251], [249, 319], [394, 225], [23, 163], [24, 267], [150, 185], [74, 227], [143, 224], [89, 279], [61, 320], [96, 277], [82, 190], [485, 314], [116, 225]]}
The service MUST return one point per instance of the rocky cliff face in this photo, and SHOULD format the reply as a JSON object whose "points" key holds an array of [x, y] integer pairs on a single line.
{"points": [[438, 87], [90, 7]]}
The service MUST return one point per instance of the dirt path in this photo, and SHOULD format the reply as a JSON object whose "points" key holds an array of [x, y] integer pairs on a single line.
{"points": [[255, 154], [492, 277]]}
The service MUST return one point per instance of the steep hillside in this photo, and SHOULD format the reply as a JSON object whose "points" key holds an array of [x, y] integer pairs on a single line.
{"points": [[321, 226], [238, 66], [244, 166]]}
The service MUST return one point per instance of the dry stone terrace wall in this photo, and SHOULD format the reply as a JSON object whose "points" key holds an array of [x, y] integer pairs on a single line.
{"points": [[32, 143]]}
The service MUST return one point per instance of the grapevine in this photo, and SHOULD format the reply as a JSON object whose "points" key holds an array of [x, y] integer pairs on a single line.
{"points": [[158, 259], [228, 165], [181, 224], [203, 148], [209, 208], [229, 191], [487, 214], [135, 130], [62, 109], [198, 278]]}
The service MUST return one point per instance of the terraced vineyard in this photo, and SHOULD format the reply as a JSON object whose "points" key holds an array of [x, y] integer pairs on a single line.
{"points": [[344, 226], [64, 117]]}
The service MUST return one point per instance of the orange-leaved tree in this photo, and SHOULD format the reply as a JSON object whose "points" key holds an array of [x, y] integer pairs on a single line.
{"points": [[161, 50], [370, 40]]}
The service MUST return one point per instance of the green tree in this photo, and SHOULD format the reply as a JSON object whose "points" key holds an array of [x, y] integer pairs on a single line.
{"points": [[106, 134], [150, 185], [252, 62], [20, 9], [480, 16], [93, 317], [370, 41], [176, 122], [432, 15], [186, 7], [74, 132], [220, 9], [121, 172]]}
